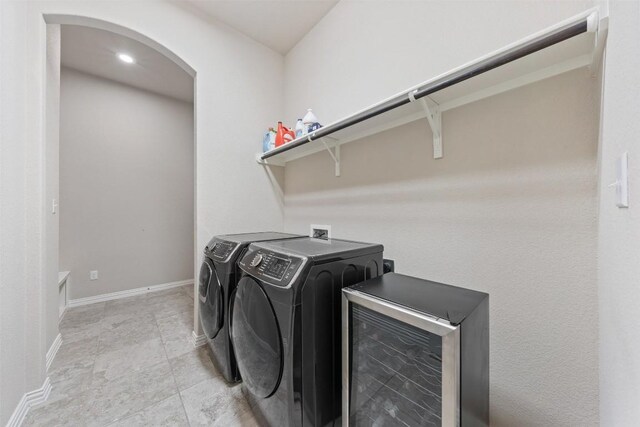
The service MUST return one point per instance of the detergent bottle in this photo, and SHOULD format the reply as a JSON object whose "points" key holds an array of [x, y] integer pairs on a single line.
{"points": [[310, 122], [299, 128], [284, 135], [272, 138], [265, 141]]}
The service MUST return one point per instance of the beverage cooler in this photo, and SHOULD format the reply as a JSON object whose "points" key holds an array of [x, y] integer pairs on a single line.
{"points": [[415, 353]]}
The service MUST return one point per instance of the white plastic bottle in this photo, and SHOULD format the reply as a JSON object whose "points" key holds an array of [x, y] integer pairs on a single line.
{"points": [[308, 120], [299, 128], [272, 138]]}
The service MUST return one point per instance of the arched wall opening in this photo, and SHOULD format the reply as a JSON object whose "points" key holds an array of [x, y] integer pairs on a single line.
{"points": [[123, 31], [51, 151]]}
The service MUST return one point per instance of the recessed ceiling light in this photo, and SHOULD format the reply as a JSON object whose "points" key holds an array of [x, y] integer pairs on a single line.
{"points": [[126, 58]]}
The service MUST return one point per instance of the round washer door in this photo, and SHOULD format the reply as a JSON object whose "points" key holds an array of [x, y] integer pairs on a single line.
{"points": [[210, 297], [256, 338]]}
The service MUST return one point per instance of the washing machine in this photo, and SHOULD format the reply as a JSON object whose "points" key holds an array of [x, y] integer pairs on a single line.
{"points": [[286, 325], [217, 281]]}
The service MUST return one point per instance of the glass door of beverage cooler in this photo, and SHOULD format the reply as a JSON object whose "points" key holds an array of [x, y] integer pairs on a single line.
{"points": [[400, 367]]}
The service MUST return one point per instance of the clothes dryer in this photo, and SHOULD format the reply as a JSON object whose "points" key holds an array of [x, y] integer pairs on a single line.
{"points": [[286, 325]]}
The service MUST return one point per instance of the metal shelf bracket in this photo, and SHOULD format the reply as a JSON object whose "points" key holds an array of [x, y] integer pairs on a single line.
{"points": [[334, 153], [434, 117]]}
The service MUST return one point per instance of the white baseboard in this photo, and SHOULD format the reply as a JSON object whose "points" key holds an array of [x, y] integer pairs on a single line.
{"points": [[28, 401], [198, 340], [128, 293], [53, 350]]}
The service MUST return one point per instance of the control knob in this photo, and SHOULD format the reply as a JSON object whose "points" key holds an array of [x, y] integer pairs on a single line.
{"points": [[256, 260]]}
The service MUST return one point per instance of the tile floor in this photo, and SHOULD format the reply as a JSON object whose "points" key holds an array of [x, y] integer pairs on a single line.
{"points": [[130, 362]]}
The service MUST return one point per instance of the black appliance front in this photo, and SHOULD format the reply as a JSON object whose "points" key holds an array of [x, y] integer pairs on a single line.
{"points": [[286, 326], [217, 282], [210, 297], [258, 338]]}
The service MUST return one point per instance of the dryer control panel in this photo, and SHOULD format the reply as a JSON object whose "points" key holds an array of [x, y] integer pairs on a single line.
{"points": [[220, 249], [271, 267]]}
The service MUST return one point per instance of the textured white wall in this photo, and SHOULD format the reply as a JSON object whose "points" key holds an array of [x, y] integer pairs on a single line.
{"points": [[238, 94], [619, 229], [510, 209], [19, 226], [126, 186], [365, 51]]}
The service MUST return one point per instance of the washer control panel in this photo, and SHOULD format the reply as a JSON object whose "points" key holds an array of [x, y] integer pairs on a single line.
{"points": [[220, 249], [271, 267]]}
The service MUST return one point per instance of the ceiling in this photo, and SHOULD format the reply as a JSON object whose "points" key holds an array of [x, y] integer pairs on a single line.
{"points": [[94, 51], [278, 24]]}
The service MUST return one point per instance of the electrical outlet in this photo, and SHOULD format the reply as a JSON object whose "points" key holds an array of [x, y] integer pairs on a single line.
{"points": [[322, 232], [93, 275]]}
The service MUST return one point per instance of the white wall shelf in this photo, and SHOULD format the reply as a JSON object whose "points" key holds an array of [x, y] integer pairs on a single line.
{"points": [[574, 43]]}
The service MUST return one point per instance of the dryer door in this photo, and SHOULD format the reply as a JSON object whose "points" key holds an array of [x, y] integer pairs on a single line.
{"points": [[210, 299], [256, 339]]}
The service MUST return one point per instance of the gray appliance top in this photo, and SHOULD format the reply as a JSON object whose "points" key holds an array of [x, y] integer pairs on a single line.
{"points": [[256, 237], [321, 250], [437, 299]]}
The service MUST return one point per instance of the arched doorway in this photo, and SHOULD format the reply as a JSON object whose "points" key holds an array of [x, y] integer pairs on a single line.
{"points": [[51, 149]]}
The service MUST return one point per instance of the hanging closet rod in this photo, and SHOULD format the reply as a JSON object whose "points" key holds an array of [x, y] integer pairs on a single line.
{"points": [[585, 23]]}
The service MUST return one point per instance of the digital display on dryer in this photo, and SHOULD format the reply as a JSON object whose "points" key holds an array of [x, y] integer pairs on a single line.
{"points": [[277, 267]]}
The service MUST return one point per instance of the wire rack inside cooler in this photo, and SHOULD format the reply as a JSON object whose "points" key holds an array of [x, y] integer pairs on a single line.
{"points": [[396, 372]]}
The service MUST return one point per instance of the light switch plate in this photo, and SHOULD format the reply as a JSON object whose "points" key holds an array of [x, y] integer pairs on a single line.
{"points": [[93, 275], [622, 181]]}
